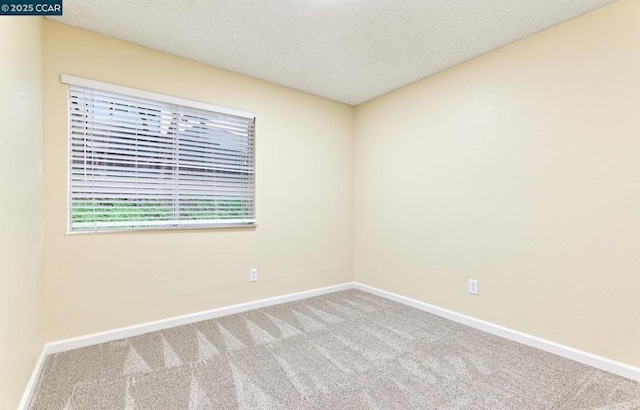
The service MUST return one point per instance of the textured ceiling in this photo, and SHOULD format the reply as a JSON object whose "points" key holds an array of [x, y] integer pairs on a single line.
{"points": [[346, 50]]}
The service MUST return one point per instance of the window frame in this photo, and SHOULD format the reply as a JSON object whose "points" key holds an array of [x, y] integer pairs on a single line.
{"points": [[71, 80]]}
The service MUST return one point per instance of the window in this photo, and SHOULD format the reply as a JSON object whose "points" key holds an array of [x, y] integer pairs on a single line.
{"points": [[139, 160]]}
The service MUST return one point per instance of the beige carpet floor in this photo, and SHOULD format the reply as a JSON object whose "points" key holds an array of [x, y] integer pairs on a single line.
{"points": [[346, 350]]}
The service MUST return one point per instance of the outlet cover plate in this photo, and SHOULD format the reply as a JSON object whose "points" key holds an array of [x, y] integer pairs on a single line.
{"points": [[473, 286]]}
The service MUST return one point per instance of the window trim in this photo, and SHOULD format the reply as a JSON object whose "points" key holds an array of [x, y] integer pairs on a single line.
{"points": [[134, 92], [164, 98]]}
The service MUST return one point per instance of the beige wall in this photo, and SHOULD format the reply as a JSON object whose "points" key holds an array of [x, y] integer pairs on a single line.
{"points": [[304, 238], [521, 169], [21, 206]]}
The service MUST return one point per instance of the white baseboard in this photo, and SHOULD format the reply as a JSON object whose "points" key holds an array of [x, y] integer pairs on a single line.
{"points": [[135, 330], [608, 365], [33, 380], [580, 356]]}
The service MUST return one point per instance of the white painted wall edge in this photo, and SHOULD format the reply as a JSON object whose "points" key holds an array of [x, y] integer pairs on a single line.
{"points": [[599, 362], [33, 380]]}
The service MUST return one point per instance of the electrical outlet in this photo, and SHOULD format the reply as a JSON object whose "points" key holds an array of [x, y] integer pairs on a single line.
{"points": [[473, 286], [253, 275]]}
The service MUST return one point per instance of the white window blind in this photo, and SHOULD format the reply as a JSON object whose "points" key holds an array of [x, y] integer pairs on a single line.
{"points": [[138, 163]]}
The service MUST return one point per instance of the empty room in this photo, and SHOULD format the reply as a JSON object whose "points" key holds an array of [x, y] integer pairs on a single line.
{"points": [[329, 204]]}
